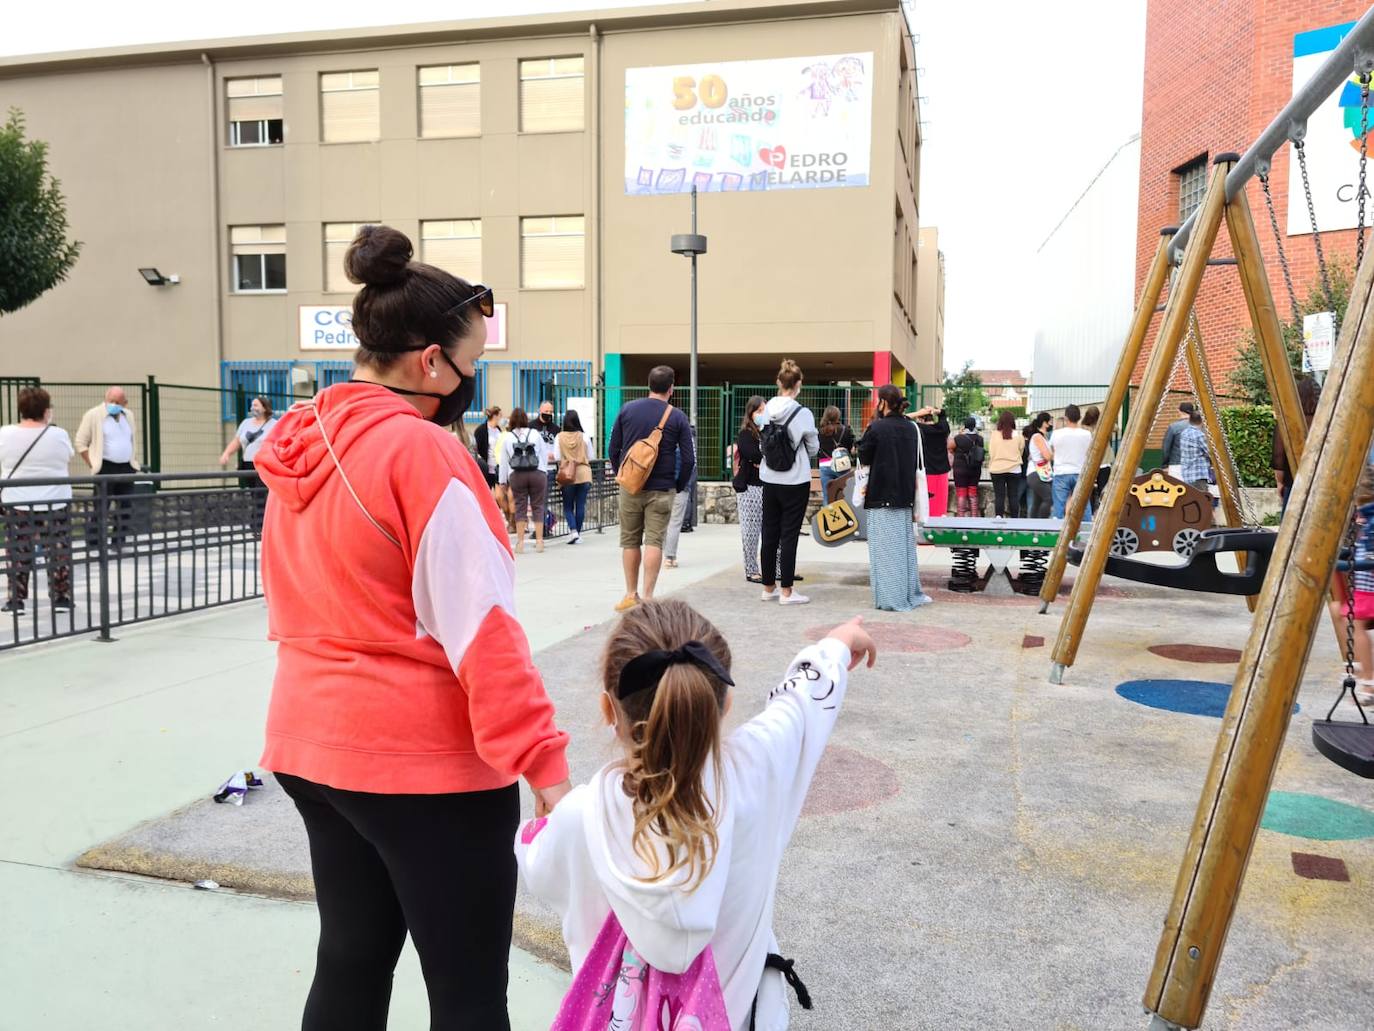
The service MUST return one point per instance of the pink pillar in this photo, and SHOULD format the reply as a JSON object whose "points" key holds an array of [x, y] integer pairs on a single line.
{"points": [[882, 368]]}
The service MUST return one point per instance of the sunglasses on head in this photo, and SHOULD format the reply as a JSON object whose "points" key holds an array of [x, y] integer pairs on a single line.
{"points": [[482, 294]]}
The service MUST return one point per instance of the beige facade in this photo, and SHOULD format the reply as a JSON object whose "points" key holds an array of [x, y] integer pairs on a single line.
{"points": [[470, 138], [930, 308]]}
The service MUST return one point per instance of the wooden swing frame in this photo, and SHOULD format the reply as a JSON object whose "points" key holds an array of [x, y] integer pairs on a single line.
{"points": [[1292, 599]]}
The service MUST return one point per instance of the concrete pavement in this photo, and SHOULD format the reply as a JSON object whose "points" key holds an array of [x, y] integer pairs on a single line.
{"points": [[980, 850]]}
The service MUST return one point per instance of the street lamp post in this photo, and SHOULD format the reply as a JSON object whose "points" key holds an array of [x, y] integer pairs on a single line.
{"points": [[691, 244]]}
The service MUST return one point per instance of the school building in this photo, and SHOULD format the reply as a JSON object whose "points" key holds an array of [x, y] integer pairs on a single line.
{"points": [[215, 185], [1215, 77]]}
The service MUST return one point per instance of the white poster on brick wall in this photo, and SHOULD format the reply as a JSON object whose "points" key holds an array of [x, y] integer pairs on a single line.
{"points": [[792, 123], [1318, 341], [1332, 143]]}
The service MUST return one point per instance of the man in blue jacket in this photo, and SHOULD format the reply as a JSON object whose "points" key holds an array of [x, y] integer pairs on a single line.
{"points": [[644, 516]]}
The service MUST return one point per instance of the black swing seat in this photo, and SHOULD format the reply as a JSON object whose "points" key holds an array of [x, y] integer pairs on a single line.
{"points": [[1349, 745], [1200, 572]]}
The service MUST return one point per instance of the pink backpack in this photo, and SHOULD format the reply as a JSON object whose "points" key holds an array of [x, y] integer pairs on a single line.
{"points": [[615, 990]]}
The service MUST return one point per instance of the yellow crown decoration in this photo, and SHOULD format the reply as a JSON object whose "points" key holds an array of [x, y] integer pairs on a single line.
{"points": [[1157, 492]]}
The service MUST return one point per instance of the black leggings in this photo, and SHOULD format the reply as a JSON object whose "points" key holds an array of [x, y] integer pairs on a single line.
{"points": [[439, 866], [1004, 493], [784, 508]]}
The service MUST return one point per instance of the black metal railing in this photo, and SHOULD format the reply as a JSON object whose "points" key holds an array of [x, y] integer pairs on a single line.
{"points": [[123, 550], [126, 549]]}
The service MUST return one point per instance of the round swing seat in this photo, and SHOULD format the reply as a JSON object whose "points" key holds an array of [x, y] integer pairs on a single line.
{"points": [[1349, 745]]}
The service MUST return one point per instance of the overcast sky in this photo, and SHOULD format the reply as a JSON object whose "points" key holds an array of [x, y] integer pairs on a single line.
{"points": [[1023, 103]]}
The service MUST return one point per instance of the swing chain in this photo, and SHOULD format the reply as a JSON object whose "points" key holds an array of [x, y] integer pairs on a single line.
{"points": [[1348, 580], [1278, 243], [1316, 234], [1364, 160], [1226, 470]]}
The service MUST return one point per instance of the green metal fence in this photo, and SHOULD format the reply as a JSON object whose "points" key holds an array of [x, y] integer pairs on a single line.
{"points": [[185, 428]]}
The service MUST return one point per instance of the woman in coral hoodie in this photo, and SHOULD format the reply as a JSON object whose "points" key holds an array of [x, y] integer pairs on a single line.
{"points": [[406, 705]]}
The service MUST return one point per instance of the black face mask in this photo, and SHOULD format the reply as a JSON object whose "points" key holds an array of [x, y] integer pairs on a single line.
{"points": [[546, 418], [451, 405]]}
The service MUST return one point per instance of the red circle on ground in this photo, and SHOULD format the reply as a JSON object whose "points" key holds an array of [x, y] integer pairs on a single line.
{"points": [[1195, 652], [847, 780], [905, 637]]}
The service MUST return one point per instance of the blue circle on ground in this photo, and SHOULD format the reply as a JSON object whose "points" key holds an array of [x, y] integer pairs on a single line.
{"points": [[1193, 697]]}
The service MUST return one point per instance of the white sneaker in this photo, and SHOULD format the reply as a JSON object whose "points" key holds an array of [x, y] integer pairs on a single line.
{"points": [[772, 595], [794, 598]]}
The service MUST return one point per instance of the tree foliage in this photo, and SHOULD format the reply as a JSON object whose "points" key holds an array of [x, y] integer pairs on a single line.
{"points": [[1247, 378], [1249, 430], [35, 254], [964, 394]]}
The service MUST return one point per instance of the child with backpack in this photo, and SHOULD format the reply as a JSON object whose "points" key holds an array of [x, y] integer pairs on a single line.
{"points": [[664, 867], [524, 461], [966, 458]]}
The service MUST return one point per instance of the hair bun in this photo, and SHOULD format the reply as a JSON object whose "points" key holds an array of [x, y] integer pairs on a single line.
{"points": [[378, 256]]}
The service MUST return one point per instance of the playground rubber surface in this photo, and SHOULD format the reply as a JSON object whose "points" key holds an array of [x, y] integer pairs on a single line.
{"points": [[981, 849]]}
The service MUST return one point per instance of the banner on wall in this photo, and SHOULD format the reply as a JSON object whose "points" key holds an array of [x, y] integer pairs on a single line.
{"points": [[329, 327], [793, 123], [1332, 142]]}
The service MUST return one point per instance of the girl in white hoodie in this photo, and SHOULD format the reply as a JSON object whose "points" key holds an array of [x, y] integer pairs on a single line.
{"points": [[664, 867]]}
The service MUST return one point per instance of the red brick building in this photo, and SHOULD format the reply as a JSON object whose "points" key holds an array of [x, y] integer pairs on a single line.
{"points": [[1216, 74]]}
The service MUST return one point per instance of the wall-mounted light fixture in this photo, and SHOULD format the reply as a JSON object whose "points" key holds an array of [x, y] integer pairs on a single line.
{"points": [[153, 277]]}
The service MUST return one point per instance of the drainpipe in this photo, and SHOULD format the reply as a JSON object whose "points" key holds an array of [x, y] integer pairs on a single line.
{"points": [[217, 257], [594, 139]]}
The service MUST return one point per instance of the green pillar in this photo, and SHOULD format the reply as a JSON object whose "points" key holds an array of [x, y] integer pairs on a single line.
{"points": [[614, 381]]}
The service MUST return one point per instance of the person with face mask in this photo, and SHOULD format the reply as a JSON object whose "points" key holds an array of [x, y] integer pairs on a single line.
{"points": [[107, 440], [248, 441], [406, 705], [249, 438]]}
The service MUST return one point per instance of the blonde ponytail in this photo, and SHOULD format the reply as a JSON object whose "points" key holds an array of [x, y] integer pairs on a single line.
{"points": [[674, 733]]}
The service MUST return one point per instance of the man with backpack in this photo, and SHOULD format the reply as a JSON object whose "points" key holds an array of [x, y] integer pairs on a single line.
{"points": [[652, 454]]}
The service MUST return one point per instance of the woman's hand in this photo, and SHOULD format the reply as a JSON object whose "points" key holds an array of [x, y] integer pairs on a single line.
{"points": [[857, 639], [545, 799]]}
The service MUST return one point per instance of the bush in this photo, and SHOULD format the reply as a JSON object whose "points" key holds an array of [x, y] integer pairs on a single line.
{"points": [[1250, 431]]}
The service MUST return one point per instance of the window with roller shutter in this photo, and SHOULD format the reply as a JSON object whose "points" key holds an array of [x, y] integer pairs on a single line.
{"points": [[350, 107], [337, 237], [450, 100], [453, 245], [552, 252], [551, 94], [254, 111], [257, 258]]}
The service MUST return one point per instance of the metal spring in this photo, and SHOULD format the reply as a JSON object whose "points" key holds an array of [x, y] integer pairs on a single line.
{"points": [[963, 572], [1031, 575]]}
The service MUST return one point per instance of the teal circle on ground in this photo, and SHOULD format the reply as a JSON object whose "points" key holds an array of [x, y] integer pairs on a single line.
{"points": [[1316, 818]]}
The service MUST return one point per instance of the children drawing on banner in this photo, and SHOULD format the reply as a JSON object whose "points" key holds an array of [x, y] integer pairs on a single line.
{"points": [[664, 867]]}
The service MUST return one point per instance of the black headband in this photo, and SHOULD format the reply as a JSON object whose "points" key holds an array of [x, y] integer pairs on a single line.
{"points": [[645, 671]]}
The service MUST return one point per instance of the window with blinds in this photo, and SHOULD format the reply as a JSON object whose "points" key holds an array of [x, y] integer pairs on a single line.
{"points": [[454, 246], [552, 252], [257, 258], [551, 95], [337, 237], [1192, 184], [350, 108], [254, 111], [451, 100]]}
